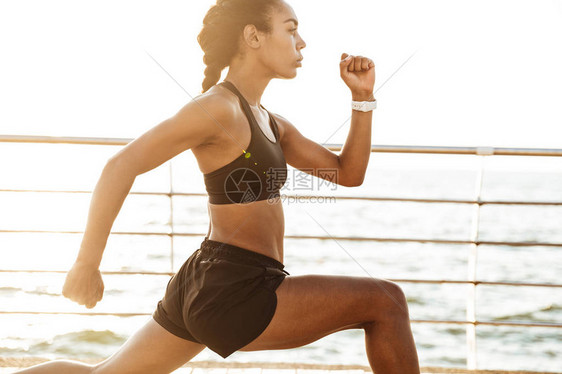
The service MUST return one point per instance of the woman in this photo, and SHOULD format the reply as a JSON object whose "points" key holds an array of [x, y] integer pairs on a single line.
{"points": [[233, 293]]}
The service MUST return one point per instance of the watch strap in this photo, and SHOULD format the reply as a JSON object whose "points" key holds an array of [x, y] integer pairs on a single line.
{"points": [[364, 106]]}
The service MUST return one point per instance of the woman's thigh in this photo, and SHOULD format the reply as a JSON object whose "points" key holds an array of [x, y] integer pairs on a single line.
{"points": [[151, 349], [310, 307]]}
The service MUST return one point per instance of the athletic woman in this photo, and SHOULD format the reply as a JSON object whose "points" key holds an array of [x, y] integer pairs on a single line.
{"points": [[233, 293]]}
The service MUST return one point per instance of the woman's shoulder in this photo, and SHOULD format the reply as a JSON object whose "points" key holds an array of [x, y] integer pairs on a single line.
{"points": [[282, 123], [217, 100], [213, 109]]}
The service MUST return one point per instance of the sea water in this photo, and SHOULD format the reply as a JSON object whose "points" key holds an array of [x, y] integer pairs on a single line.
{"points": [[76, 168]]}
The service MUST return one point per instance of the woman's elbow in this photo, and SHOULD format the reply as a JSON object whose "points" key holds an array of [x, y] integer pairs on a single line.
{"points": [[355, 183], [120, 166], [351, 181]]}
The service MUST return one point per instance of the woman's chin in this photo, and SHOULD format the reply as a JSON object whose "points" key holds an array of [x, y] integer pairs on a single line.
{"points": [[294, 73], [288, 74]]}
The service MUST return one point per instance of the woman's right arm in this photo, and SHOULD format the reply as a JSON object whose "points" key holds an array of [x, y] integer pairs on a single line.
{"points": [[195, 124]]}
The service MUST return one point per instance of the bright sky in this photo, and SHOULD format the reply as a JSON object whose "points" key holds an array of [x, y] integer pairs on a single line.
{"points": [[483, 73]]}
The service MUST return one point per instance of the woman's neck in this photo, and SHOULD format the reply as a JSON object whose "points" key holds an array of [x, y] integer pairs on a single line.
{"points": [[250, 84]]}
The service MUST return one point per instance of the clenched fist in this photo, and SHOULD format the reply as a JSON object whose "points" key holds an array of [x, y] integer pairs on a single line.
{"points": [[83, 284], [358, 73]]}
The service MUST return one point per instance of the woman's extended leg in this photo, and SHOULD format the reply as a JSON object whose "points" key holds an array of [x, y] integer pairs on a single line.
{"points": [[310, 307], [151, 349]]}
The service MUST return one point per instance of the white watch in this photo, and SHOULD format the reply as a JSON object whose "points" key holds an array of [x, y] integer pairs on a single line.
{"points": [[364, 106]]}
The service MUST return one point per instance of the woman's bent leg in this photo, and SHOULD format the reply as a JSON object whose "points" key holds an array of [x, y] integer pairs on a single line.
{"points": [[310, 307], [391, 348], [151, 349]]}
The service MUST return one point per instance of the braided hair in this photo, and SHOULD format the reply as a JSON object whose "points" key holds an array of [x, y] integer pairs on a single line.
{"points": [[222, 28]]}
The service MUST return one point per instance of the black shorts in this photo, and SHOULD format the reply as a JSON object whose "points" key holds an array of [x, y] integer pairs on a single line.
{"points": [[223, 296]]}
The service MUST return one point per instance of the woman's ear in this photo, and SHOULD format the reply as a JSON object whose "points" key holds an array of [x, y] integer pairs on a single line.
{"points": [[252, 37]]}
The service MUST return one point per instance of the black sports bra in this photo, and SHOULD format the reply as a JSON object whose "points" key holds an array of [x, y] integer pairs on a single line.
{"points": [[257, 174]]}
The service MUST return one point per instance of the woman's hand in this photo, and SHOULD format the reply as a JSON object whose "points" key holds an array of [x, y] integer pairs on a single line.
{"points": [[358, 73], [83, 284]]}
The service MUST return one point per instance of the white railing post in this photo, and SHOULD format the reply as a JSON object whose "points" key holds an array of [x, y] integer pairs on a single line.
{"points": [[472, 264]]}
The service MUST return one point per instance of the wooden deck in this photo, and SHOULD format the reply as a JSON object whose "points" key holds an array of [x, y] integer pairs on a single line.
{"points": [[11, 364]]}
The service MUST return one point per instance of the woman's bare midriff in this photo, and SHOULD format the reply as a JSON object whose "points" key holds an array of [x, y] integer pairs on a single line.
{"points": [[258, 226]]}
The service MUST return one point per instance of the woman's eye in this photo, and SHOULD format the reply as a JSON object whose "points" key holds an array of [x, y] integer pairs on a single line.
{"points": [[293, 30]]}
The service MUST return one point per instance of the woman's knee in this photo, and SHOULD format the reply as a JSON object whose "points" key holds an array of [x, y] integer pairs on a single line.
{"points": [[388, 299]]}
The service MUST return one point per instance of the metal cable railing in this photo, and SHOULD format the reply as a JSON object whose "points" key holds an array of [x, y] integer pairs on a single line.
{"points": [[471, 321]]}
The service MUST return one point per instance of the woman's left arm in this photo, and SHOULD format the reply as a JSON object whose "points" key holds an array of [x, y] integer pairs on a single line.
{"points": [[358, 73]]}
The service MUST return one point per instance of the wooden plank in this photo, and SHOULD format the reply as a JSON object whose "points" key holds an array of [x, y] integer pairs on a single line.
{"points": [[255, 370], [8, 365]]}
